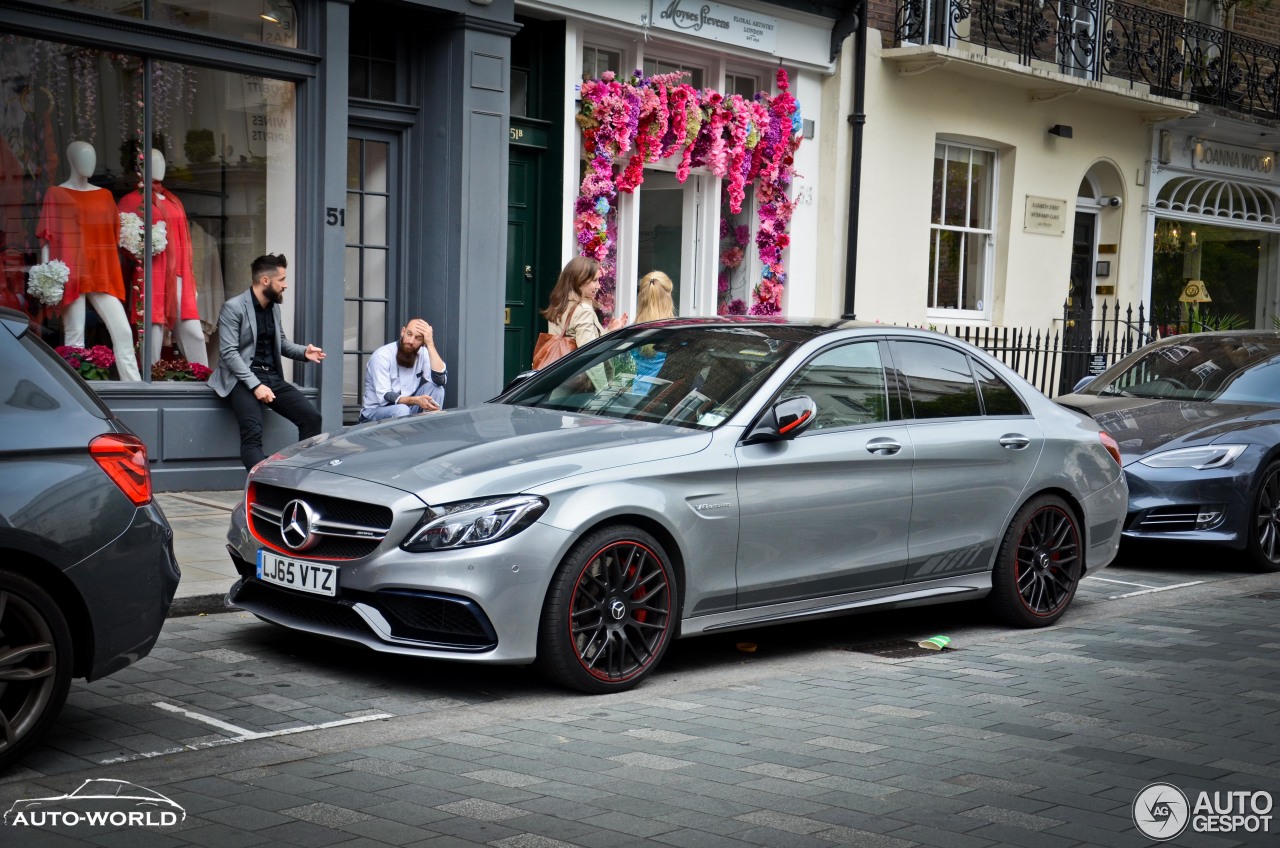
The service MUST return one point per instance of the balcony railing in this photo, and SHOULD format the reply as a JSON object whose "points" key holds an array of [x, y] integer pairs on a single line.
{"points": [[1108, 41]]}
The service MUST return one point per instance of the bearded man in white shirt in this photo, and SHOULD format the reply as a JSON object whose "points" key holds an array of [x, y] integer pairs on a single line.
{"points": [[404, 377]]}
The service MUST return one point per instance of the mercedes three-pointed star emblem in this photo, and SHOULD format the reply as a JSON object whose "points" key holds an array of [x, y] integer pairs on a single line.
{"points": [[297, 525]]}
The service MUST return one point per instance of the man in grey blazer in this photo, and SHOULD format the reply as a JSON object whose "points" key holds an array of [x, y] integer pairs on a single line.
{"points": [[251, 339]]}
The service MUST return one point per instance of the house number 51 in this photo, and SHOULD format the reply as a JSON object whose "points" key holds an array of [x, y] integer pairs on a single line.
{"points": [[335, 217]]}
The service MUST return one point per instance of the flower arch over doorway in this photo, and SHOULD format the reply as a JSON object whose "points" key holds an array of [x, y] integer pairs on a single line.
{"points": [[747, 142]]}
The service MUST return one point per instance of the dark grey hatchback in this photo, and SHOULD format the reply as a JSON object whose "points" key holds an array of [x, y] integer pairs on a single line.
{"points": [[87, 570]]}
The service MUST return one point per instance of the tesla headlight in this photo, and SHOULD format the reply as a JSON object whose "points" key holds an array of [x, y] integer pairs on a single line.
{"points": [[1202, 457], [469, 523]]}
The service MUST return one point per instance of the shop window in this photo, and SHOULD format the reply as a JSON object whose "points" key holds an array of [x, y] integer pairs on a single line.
{"points": [[266, 21], [961, 238], [597, 60], [735, 276], [73, 188], [744, 85], [693, 75]]}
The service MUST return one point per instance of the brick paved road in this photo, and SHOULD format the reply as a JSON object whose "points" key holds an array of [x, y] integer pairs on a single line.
{"points": [[1037, 739]]}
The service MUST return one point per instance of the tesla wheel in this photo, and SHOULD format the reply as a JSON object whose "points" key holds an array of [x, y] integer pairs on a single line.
{"points": [[1039, 564], [1264, 533], [35, 665], [609, 613]]}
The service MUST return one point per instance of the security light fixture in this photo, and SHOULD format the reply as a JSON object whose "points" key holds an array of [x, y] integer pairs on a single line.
{"points": [[1060, 130], [270, 12]]}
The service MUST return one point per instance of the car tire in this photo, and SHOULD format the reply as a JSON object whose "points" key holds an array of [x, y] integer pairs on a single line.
{"points": [[1039, 564], [610, 612], [1264, 528], [35, 668]]}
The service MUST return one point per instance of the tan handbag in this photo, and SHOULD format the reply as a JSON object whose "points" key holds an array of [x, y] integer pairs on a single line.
{"points": [[550, 346]]}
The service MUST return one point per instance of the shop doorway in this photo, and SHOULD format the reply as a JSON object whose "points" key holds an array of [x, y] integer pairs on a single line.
{"points": [[669, 214], [371, 220], [1234, 267]]}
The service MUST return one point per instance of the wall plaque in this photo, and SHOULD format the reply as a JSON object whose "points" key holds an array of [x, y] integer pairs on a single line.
{"points": [[1045, 215]]}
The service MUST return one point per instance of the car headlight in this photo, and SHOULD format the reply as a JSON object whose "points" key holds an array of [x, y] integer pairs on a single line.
{"points": [[469, 523], [1202, 456]]}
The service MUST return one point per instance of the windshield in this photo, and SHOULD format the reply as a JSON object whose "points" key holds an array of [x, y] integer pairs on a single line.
{"points": [[689, 376], [1213, 369]]}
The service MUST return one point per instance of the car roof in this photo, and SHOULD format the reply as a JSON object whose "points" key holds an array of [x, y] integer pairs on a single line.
{"points": [[817, 326]]}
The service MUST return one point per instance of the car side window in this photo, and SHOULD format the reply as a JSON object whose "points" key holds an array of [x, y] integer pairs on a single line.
{"points": [[938, 379], [998, 397], [846, 383]]}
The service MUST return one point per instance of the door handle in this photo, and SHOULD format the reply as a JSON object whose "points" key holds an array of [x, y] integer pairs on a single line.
{"points": [[1014, 441], [528, 273], [883, 447]]}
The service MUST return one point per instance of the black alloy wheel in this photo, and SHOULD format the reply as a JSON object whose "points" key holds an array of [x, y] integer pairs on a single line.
{"points": [[35, 665], [1039, 565], [1264, 534], [609, 613]]}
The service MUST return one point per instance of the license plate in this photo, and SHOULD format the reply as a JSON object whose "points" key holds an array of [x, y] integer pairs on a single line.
{"points": [[298, 574]]}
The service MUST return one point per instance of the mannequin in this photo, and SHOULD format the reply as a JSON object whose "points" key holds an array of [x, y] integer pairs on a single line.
{"points": [[79, 225], [174, 304]]}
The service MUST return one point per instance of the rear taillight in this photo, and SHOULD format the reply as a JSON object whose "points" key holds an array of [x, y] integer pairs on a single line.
{"points": [[124, 458], [1112, 448]]}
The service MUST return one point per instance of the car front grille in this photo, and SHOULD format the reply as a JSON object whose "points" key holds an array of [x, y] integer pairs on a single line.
{"points": [[346, 529], [297, 608], [443, 621]]}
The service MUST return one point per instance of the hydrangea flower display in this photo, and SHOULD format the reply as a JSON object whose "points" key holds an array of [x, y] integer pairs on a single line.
{"points": [[628, 123]]}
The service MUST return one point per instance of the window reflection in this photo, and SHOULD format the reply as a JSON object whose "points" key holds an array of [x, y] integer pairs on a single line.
{"points": [[266, 21], [73, 202]]}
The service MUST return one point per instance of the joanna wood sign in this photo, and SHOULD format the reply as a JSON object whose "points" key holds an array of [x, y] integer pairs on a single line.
{"points": [[726, 24]]}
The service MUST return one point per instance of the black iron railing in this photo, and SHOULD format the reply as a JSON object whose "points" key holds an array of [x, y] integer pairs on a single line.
{"points": [[1055, 360], [1108, 40]]}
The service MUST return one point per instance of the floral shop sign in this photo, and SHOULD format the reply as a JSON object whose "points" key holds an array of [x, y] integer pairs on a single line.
{"points": [[747, 142], [726, 24]]}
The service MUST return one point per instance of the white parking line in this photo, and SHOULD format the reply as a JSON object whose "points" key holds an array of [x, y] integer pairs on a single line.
{"points": [[1121, 582], [1160, 589], [241, 735]]}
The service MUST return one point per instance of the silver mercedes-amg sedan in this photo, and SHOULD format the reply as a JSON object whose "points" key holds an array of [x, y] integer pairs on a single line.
{"points": [[684, 477]]}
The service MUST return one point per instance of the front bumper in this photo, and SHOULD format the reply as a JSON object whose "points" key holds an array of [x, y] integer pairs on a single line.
{"points": [[1164, 503], [480, 604]]}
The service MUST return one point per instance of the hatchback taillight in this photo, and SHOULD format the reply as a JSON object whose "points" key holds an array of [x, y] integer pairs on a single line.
{"points": [[124, 458], [1112, 447]]}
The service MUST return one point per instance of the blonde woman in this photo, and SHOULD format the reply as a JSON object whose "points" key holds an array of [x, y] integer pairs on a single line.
{"points": [[653, 298], [653, 303]]}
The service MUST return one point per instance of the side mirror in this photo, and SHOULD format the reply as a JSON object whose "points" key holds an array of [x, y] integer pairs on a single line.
{"points": [[786, 419], [1084, 381]]}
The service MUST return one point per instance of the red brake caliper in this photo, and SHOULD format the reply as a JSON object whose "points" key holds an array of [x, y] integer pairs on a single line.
{"points": [[640, 615]]}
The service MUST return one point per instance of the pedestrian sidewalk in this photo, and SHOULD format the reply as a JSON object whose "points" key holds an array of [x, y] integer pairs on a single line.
{"points": [[199, 521]]}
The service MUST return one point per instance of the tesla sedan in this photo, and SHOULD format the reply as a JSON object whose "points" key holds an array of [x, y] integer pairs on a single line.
{"points": [[678, 478], [1197, 418]]}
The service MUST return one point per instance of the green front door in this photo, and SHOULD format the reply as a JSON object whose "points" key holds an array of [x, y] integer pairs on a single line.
{"points": [[529, 281]]}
